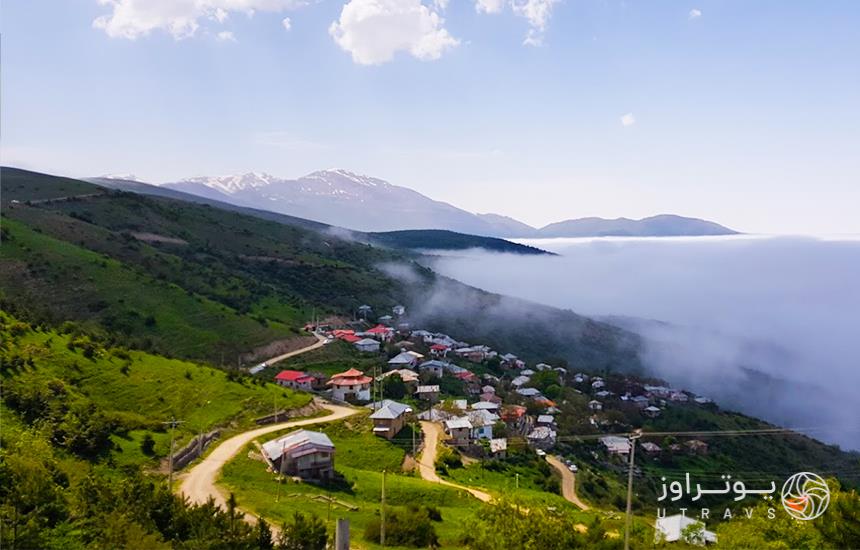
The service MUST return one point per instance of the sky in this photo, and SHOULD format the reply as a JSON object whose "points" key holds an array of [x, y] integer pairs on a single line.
{"points": [[745, 113]]}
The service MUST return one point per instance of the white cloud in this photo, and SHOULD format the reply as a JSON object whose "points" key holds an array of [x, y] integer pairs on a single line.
{"points": [[536, 12], [287, 23], [695, 13], [225, 36], [628, 119], [489, 6], [133, 19], [372, 31]]}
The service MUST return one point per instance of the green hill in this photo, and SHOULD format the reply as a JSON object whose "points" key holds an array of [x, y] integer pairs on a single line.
{"points": [[439, 239]]}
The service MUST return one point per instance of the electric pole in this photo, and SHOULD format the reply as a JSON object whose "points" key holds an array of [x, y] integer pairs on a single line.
{"points": [[631, 438], [382, 514], [173, 423], [281, 471]]}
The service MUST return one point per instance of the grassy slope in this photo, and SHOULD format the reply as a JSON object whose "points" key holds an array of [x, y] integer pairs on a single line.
{"points": [[152, 390], [439, 239], [360, 458]]}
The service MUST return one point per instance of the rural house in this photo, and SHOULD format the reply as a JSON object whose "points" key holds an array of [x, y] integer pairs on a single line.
{"points": [[460, 429], [302, 453], [368, 345], [428, 393], [616, 445], [390, 419], [350, 385], [294, 379]]}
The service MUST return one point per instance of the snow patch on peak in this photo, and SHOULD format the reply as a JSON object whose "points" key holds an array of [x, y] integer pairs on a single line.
{"points": [[127, 177], [338, 175], [234, 183]]}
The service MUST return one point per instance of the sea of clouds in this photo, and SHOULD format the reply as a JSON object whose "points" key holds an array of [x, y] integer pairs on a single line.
{"points": [[769, 326]]}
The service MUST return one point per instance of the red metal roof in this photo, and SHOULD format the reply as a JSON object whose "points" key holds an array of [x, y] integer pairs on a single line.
{"points": [[290, 375], [379, 329]]}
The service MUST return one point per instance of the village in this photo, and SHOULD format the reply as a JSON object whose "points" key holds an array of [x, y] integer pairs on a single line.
{"points": [[483, 401]]}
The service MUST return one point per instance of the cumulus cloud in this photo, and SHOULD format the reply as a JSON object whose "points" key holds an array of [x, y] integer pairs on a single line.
{"points": [[536, 12], [628, 119], [695, 13], [132, 19], [225, 36], [287, 23], [373, 31], [764, 325], [489, 6]]}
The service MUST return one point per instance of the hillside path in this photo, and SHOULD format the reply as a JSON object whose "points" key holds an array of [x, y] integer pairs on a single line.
{"points": [[198, 484], [318, 344], [427, 462], [568, 482]]}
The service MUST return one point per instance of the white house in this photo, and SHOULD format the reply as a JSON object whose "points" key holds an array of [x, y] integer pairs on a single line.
{"points": [[671, 529], [482, 424], [595, 405], [406, 359], [434, 367], [368, 345], [302, 453], [520, 381], [529, 392], [352, 384], [459, 429], [542, 437], [398, 310], [486, 406], [616, 445]]}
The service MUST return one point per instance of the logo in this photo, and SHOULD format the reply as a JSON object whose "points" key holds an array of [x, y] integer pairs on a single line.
{"points": [[805, 496]]}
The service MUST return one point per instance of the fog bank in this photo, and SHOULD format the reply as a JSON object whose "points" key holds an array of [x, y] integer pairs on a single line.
{"points": [[715, 312]]}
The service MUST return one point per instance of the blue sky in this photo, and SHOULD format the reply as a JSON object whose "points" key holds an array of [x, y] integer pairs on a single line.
{"points": [[742, 112]]}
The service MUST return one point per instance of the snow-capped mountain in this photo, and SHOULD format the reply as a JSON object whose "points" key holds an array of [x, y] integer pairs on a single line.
{"points": [[343, 198]]}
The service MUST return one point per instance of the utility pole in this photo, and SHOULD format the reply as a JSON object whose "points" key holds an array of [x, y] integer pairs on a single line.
{"points": [[281, 471], [173, 423], [518, 481], [632, 439], [382, 514]]}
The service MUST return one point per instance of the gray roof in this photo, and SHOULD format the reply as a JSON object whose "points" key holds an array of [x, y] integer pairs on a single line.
{"points": [[427, 389], [367, 341], [485, 405], [528, 392], [458, 423], [299, 438], [545, 419], [404, 358], [391, 411], [434, 363]]}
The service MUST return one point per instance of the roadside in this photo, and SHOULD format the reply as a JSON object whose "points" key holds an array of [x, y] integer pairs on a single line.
{"points": [[427, 462], [568, 482]]}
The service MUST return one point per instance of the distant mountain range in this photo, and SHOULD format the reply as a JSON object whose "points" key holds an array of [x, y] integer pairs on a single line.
{"points": [[362, 203]]}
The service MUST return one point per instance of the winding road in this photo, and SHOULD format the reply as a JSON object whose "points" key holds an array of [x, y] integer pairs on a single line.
{"points": [[568, 482], [198, 484], [427, 462]]}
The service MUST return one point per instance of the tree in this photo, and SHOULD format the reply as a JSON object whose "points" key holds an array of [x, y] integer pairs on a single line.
{"points": [[393, 387], [304, 533], [264, 535]]}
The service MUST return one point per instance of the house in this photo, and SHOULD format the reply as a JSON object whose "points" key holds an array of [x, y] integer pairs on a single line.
{"points": [[435, 367], [697, 447], [294, 379], [671, 529], [482, 424], [598, 383], [461, 404], [514, 415], [490, 398], [439, 350], [580, 378], [363, 310], [302, 453], [403, 359], [460, 429], [616, 445], [381, 332], [543, 366], [527, 372], [499, 447], [702, 400], [486, 406], [542, 437], [350, 385], [545, 420], [651, 411], [409, 377], [508, 360], [520, 381], [603, 394], [428, 393], [650, 448], [595, 405], [657, 391], [640, 401], [679, 397], [367, 345], [475, 354], [385, 319], [488, 389], [389, 420], [528, 392], [423, 335], [398, 310]]}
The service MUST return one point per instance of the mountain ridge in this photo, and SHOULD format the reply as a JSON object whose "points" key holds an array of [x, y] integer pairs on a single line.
{"points": [[368, 204]]}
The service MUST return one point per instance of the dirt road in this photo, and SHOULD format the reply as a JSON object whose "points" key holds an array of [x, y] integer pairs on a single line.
{"points": [[315, 345], [568, 482], [427, 462], [199, 483]]}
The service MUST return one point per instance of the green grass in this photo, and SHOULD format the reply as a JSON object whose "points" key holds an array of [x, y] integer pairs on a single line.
{"points": [[144, 390], [360, 458], [332, 358]]}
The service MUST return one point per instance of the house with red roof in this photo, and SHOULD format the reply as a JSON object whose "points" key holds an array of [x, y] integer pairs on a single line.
{"points": [[439, 350], [351, 385], [380, 332], [294, 379]]}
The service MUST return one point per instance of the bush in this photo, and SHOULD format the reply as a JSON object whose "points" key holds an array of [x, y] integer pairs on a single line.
{"points": [[147, 445], [411, 527]]}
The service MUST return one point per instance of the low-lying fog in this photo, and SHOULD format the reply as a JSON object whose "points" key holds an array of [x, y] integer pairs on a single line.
{"points": [[712, 311]]}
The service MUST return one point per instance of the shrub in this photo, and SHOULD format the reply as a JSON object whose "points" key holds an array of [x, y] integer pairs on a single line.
{"points": [[411, 527]]}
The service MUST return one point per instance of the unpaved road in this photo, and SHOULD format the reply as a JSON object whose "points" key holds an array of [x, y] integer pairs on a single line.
{"points": [[427, 462], [318, 344], [198, 484], [568, 482]]}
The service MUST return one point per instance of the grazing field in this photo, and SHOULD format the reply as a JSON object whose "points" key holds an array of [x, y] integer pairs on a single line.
{"points": [[360, 459]]}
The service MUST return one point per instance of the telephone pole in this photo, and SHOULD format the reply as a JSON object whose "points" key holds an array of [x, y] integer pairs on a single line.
{"points": [[382, 514], [173, 423], [632, 439]]}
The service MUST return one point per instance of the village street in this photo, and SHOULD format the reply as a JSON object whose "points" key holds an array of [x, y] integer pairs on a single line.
{"points": [[427, 462], [199, 483], [568, 482]]}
